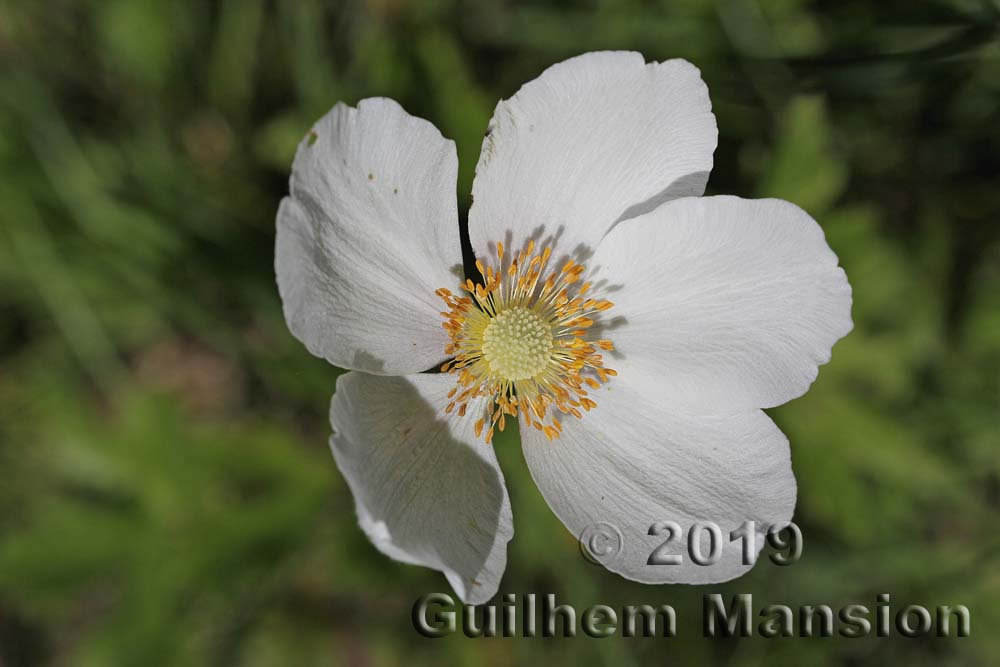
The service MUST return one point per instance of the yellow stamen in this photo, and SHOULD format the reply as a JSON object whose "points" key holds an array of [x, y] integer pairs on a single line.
{"points": [[522, 341]]}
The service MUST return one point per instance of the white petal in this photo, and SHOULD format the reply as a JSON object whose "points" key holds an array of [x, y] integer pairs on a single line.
{"points": [[634, 461], [723, 303], [597, 138], [426, 490], [369, 231]]}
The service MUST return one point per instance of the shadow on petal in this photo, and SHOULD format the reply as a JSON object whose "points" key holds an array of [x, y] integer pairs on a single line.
{"points": [[426, 490]]}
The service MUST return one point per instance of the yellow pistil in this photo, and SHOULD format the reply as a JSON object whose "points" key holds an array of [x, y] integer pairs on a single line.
{"points": [[522, 341]]}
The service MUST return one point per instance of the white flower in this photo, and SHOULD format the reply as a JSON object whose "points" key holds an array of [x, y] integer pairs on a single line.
{"points": [[707, 308]]}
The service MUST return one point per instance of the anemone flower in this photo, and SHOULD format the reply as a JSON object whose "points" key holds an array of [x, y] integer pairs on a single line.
{"points": [[633, 328]]}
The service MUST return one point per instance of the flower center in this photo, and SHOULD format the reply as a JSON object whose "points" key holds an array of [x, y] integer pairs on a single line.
{"points": [[523, 342], [517, 343]]}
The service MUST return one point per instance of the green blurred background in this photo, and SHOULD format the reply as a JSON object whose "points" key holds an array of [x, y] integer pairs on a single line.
{"points": [[167, 492]]}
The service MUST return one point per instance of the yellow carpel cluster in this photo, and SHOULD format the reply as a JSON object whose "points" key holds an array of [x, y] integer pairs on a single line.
{"points": [[522, 341]]}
